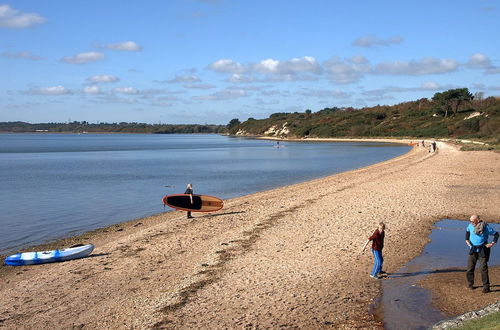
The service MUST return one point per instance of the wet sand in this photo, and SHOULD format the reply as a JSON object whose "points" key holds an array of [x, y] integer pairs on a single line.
{"points": [[451, 294], [287, 257]]}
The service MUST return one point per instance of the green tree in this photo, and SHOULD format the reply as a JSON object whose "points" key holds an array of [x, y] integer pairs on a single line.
{"points": [[460, 96], [451, 99], [233, 125], [441, 100]]}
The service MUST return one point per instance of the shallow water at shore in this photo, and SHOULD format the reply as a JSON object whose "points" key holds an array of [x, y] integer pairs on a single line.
{"points": [[405, 305], [57, 185]]}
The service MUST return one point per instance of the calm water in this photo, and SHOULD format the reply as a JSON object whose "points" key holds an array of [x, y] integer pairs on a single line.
{"points": [[57, 185]]}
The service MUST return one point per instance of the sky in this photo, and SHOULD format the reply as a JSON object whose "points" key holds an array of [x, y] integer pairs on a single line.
{"points": [[209, 61]]}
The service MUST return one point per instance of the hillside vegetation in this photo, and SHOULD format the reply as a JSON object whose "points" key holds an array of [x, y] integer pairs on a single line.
{"points": [[451, 114]]}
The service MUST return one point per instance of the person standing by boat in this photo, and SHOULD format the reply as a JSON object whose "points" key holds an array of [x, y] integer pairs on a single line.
{"points": [[476, 237], [377, 239], [189, 191]]}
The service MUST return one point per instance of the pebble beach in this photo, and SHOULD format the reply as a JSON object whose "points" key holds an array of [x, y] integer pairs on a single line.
{"points": [[288, 257]]}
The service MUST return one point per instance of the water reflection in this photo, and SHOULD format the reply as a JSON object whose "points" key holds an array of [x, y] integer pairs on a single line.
{"points": [[403, 304]]}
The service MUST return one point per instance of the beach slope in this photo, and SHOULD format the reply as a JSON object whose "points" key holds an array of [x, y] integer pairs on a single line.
{"points": [[288, 257]]}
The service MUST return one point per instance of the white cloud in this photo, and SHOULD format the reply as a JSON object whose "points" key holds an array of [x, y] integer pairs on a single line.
{"points": [[126, 90], [103, 78], [162, 91], [304, 64], [290, 77], [478, 60], [92, 90], [493, 70], [324, 93], [274, 92], [346, 71], [294, 69], [382, 91], [248, 87], [341, 70], [156, 103], [486, 88], [362, 102], [199, 86], [128, 46], [13, 106], [83, 58], [151, 92], [14, 19], [227, 94], [427, 65], [22, 55], [53, 90], [261, 102], [481, 61], [431, 85], [227, 66], [291, 67], [426, 86], [184, 79], [371, 40], [23, 105], [240, 78], [116, 99], [267, 66]]}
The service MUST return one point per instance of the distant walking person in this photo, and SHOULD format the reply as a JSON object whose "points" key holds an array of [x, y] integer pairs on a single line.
{"points": [[433, 146], [189, 191], [476, 237], [377, 239]]}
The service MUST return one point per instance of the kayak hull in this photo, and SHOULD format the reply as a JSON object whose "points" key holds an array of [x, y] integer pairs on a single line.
{"points": [[42, 257]]}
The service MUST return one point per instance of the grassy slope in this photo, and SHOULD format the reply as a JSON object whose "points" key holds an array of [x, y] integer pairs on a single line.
{"points": [[489, 322], [414, 119]]}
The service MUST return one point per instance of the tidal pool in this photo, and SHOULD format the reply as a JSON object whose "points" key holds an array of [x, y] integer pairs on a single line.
{"points": [[405, 305]]}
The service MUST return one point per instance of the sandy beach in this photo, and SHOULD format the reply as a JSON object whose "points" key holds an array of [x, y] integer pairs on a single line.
{"points": [[288, 257]]}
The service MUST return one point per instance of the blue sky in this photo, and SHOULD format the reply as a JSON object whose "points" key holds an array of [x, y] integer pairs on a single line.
{"points": [[208, 61]]}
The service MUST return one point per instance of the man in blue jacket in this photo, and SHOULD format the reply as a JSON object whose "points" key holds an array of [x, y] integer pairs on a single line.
{"points": [[476, 237]]}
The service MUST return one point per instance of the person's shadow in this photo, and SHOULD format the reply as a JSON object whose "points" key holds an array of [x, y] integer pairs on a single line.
{"points": [[220, 214], [426, 272], [493, 288], [497, 286]]}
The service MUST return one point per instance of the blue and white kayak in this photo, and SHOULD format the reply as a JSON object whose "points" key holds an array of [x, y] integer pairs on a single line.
{"points": [[35, 258]]}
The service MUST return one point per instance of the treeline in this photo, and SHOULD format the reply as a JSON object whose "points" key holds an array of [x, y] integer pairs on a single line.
{"points": [[455, 113], [123, 127]]}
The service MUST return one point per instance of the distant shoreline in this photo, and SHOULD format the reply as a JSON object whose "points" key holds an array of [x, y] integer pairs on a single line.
{"points": [[81, 133]]}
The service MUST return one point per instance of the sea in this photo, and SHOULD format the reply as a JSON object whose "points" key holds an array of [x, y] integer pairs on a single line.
{"points": [[59, 185]]}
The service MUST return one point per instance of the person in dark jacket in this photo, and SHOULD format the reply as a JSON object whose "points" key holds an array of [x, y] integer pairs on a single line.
{"points": [[476, 237], [189, 191], [377, 239]]}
